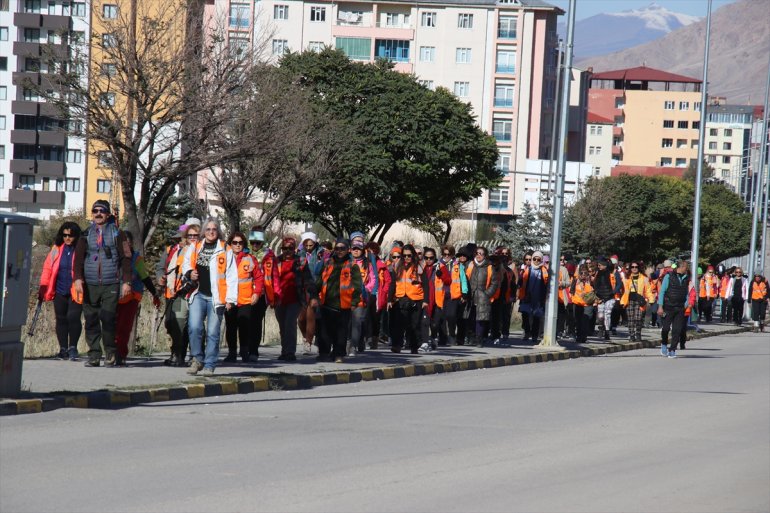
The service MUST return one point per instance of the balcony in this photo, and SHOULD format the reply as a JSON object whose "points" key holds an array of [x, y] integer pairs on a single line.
{"points": [[56, 23], [508, 70], [21, 196], [28, 108], [617, 150], [23, 137], [49, 197], [25, 78], [27, 19], [61, 52], [50, 168], [23, 166], [51, 138], [617, 131], [23, 49], [503, 102]]}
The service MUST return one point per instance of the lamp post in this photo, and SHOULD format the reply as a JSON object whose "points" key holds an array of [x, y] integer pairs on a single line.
{"points": [[762, 158], [759, 173]]}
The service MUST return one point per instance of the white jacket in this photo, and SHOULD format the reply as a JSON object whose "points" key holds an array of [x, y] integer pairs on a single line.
{"points": [[744, 288], [231, 272]]}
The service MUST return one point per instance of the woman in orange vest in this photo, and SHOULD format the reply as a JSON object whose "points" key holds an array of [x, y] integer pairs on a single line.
{"points": [[583, 299], [708, 292], [483, 284], [339, 288], [760, 294], [439, 284], [406, 301], [239, 320], [56, 284], [637, 296]]}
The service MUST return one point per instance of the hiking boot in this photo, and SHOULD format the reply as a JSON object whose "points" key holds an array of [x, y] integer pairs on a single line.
{"points": [[195, 367], [231, 358], [207, 372], [110, 360], [93, 362]]}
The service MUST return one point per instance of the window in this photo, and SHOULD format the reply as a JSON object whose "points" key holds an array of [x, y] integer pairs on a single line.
{"points": [[682, 124], [315, 46], [728, 132], [428, 19], [504, 163], [107, 99], [72, 185], [281, 12], [506, 27], [3, 93], [713, 132], [713, 145], [51, 7], [725, 159], [240, 15], [506, 61], [392, 49], [665, 161], [74, 156], [696, 125], [462, 89], [427, 83], [31, 35], [501, 129], [598, 150], [2, 151], [498, 198], [712, 159], [593, 130], [684, 105], [696, 106], [681, 143], [109, 11], [391, 19], [32, 6], [463, 56], [280, 46], [104, 186], [668, 105], [725, 173], [3, 63], [681, 162], [27, 181], [727, 146], [504, 95], [237, 43], [109, 69], [77, 37], [109, 41], [3, 33], [694, 143], [597, 170], [592, 150], [31, 64], [2, 182], [465, 21], [598, 129], [30, 95], [78, 9], [355, 47], [667, 143], [105, 158], [318, 14], [427, 53], [620, 102], [2, 122]]}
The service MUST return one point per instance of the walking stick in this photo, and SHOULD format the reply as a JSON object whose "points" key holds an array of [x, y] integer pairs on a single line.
{"points": [[154, 333], [39, 307]]}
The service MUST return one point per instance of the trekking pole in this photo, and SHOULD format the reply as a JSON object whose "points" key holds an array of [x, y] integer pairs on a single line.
{"points": [[38, 308]]}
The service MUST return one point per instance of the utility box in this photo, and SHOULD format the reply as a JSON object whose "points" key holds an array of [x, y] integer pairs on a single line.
{"points": [[15, 264]]}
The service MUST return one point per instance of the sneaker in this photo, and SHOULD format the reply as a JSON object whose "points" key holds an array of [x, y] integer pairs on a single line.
{"points": [[207, 371], [339, 359], [308, 348], [110, 360], [195, 367], [63, 354], [253, 358], [120, 361], [664, 350], [424, 348], [231, 358], [73, 354], [352, 352], [672, 354], [93, 362], [496, 342]]}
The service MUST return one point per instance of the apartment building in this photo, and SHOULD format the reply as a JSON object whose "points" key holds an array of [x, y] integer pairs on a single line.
{"points": [[497, 55], [598, 147], [42, 170], [656, 118], [728, 144]]}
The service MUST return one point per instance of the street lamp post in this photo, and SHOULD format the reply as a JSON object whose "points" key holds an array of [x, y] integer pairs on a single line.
{"points": [[759, 173], [762, 158]]}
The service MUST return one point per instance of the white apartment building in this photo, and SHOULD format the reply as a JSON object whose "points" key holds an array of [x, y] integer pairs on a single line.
{"points": [[42, 171], [728, 145], [497, 55], [598, 148]]}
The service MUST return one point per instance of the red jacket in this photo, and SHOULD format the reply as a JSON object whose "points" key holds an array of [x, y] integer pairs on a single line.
{"points": [[51, 271], [384, 277]]}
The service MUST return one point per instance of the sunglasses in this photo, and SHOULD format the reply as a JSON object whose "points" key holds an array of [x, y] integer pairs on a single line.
{"points": [[98, 211], [527, 259], [238, 242], [340, 248], [446, 254], [193, 235], [69, 235], [287, 248], [537, 259], [356, 249], [255, 242], [407, 255], [395, 257], [430, 258], [634, 267]]}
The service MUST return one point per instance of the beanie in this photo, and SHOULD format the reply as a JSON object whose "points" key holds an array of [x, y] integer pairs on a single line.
{"points": [[357, 235], [308, 236]]}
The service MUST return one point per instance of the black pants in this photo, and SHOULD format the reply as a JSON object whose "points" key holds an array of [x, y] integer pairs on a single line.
{"points": [[561, 317], [258, 316], [758, 311], [705, 309], [239, 324], [497, 316], [584, 318], [405, 323], [176, 326], [676, 322], [737, 311], [507, 313], [727, 311], [525, 324], [334, 332], [449, 318], [68, 325], [438, 326]]}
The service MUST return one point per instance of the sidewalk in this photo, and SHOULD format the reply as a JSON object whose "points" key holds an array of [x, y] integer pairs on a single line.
{"points": [[48, 384]]}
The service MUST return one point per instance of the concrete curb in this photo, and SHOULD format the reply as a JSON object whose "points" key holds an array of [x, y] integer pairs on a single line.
{"points": [[113, 399]]}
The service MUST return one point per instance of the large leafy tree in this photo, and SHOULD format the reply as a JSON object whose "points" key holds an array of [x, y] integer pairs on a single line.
{"points": [[409, 153]]}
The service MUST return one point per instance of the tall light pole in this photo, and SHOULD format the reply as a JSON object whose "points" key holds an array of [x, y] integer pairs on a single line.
{"points": [[759, 173], [701, 140], [551, 311], [762, 158]]}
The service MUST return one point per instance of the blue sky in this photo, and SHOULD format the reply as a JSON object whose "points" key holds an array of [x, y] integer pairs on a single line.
{"points": [[588, 8]]}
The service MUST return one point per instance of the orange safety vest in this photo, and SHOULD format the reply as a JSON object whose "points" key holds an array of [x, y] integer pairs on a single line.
{"points": [[496, 295], [456, 288], [642, 288], [405, 287], [221, 268], [346, 283], [758, 291], [525, 278], [708, 286], [438, 285], [267, 268], [581, 288], [723, 286], [246, 278], [173, 284]]}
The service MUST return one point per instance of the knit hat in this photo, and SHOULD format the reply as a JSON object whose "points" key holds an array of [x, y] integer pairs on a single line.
{"points": [[289, 242], [357, 244], [256, 236], [614, 259], [710, 268], [308, 236], [102, 204], [192, 221], [396, 250], [603, 261], [343, 241], [464, 251], [357, 235]]}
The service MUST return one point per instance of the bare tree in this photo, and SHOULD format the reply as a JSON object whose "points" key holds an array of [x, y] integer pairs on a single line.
{"points": [[150, 92]]}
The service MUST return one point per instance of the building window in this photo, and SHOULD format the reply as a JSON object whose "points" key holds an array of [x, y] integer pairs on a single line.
{"points": [[315, 46], [32, 6], [428, 19], [109, 69], [74, 156], [427, 83], [501, 129], [598, 129], [681, 162], [665, 161], [597, 170], [498, 198], [2, 151], [696, 125], [727, 146], [79, 9], [506, 27], [712, 159], [240, 15], [465, 21], [427, 53], [392, 49], [684, 105], [667, 143], [694, 143], [728, 132], [713, 132], [109, 11], [72, 185], [30, 95], [281, 12], [2, 122], [668, 105], [681, 143], [463, 56], [391, 19], [593, 130], [3, 93], [725, 159], [3, 33], [696, 106], [503, 95], [107, 99], [2, 182], [598, 150], [504, 163], [104, 186], [109, 41], [682, 124], [592, 150], [506, 61], [280, 46], [318, 14], [27, 182], [713, 145], [462, 89], [3, 63], [668, 123], [355, 47]]}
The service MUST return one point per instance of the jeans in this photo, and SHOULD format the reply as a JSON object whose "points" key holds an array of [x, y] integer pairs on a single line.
{"points": [[202, 309], [357, 322]]}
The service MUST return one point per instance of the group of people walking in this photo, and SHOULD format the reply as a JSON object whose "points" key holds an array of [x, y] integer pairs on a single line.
{"points": [[349, 296]]}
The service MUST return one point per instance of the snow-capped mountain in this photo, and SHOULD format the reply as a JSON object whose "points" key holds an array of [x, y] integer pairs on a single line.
{"points": [[611, 32]]}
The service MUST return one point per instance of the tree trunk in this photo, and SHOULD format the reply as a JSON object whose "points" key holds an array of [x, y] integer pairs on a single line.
{"points": [[447, 232]]}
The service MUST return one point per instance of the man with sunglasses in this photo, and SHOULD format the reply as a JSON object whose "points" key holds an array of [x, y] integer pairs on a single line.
{"points": [[102, 262]]}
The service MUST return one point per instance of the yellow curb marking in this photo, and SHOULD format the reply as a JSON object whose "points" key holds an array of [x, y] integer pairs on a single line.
{"points": [[194, 391], [29, 406]]}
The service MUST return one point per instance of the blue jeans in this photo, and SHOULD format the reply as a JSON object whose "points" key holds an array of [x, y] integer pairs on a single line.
{"points": [[202, 308]]}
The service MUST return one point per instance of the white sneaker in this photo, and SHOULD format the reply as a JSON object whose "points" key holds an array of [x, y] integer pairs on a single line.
{"points": [[352, 351], [424, 348]]}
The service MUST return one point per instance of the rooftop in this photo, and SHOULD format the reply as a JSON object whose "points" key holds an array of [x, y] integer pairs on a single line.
{"points": [[531, 4], [644, 74], [595, 118]]}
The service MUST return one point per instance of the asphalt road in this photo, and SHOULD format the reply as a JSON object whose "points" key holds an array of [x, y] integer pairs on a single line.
{"points": [[630, 432]]}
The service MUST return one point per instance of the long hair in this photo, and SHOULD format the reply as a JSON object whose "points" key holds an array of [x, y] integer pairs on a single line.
{"points": [[72, 227], [401, 265], [215, 222]]}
